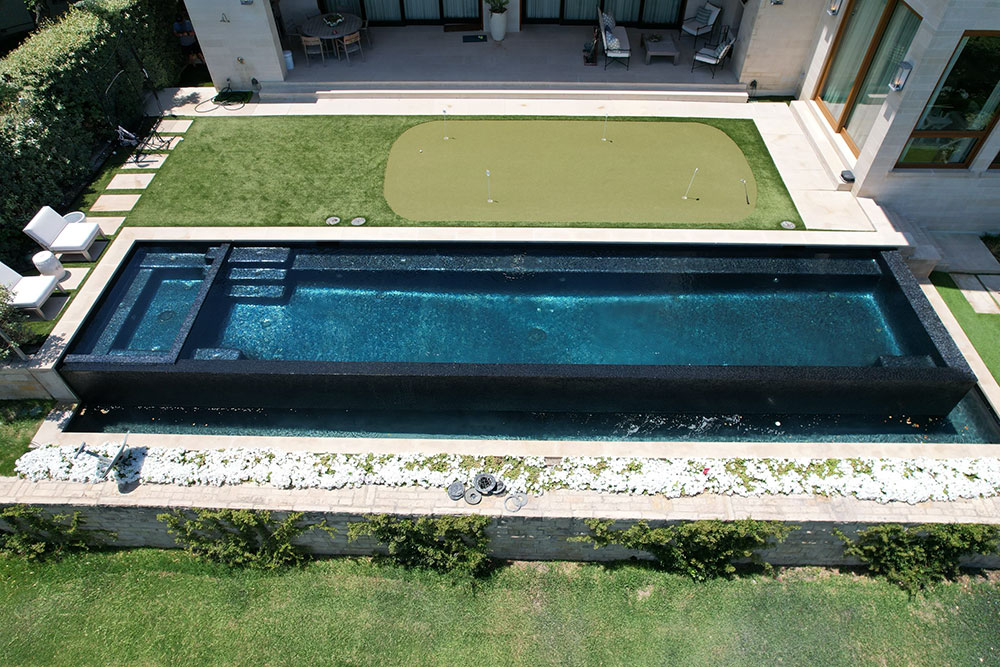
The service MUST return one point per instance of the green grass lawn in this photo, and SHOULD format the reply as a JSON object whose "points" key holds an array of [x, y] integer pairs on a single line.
{"points": [[160, 607], [983, 329], [293, 170], [18, 422]]}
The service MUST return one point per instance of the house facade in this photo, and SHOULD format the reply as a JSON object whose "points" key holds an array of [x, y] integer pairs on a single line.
{"points": [[903, 94]]}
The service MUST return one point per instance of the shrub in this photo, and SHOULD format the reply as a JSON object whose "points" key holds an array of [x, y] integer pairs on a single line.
{"points": [[31, 533], [456, 544], [916, 556], [700, 549], [54, 114], [240, 538], [13, 334]]}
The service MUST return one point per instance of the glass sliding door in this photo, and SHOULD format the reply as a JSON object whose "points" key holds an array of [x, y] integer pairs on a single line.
{"points": [[873, 40], [383, 11], [666, 12], [623, 11], [862, 22], [421, 10], [875, 86], [543, 10], [460, 9], [579, 10]]}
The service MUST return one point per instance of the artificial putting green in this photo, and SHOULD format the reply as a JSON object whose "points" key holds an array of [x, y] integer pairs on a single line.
{"points": [[569, 171]]}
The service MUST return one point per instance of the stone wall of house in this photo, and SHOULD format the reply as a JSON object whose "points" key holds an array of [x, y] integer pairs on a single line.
{"points": [[239, 42], [776, 43], [19, 383]]}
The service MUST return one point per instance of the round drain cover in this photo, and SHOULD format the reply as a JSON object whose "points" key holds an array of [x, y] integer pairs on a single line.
{"points": [[500, 488], [788, 224], [484, 483], [456, 490], [473, 497], [333, 220], [536, 335], [166, 315], [357, 221], [514, 502]]}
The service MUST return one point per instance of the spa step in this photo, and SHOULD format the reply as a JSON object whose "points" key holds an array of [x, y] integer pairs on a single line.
{"points": [[257, 274], [905, 361], [257, 292], [259, 255], [224, 353], [173, 260]]}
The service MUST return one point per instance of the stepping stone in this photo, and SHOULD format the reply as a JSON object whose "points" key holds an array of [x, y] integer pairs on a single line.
{"points": [[109, 224], [173, 126], [130, 181], [115, 203], [75, 277], [975, 293], [992, 284], [146, 161], [172, 143]]}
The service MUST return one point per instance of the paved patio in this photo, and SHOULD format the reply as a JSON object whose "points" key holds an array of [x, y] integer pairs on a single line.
{"points": [[544, 56]]}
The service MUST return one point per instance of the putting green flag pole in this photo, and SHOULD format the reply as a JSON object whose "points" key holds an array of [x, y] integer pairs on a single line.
{"points": [[489, 195], [444, 118], [690, 184], [604, 137]]}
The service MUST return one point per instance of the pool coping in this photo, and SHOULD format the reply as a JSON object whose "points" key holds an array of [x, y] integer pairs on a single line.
{"points": [[51, 430]]}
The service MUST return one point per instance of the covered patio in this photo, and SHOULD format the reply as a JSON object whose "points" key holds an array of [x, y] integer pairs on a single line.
{"points": [[539, 56]]}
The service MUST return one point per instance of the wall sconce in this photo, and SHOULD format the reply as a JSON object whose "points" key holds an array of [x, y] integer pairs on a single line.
{"points": [[777, 2], [834, 7], [902, 74], [246, 2], [224, 19]]}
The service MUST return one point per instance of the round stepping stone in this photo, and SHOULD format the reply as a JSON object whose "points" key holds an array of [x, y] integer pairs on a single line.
{"points": [[788, 224], [357, 222], [333, 220]]}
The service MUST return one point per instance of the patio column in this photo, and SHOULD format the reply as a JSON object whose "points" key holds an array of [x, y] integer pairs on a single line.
{"points": [[239, 41]]}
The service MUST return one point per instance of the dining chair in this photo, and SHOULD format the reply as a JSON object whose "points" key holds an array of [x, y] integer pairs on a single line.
{"points": [[313, 46], [366, 32], [351, 44]]}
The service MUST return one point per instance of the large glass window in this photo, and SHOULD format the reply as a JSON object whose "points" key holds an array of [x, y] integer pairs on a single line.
{"points": [[963, 108], [874, 39]]}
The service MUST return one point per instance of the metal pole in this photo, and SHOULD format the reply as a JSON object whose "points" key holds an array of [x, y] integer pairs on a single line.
{"points": [[489, 195], [605, 136], [444, 117], [690, 184]]}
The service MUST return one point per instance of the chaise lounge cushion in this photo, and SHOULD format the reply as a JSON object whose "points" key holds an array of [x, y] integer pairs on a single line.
{"points": [[53, 232], [27, 291]]}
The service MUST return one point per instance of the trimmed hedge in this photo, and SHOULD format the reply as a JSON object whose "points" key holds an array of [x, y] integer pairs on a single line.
{"points": [[54, 115]]}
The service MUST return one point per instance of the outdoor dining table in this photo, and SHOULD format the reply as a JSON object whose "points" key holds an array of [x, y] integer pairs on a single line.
{"points": [[317, 27]]}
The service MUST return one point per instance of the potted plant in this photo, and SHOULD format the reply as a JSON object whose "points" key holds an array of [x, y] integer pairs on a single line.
{"points": [[498, 18]]}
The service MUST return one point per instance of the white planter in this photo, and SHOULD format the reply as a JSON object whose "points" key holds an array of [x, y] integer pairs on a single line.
{"points": [[498, 26]]}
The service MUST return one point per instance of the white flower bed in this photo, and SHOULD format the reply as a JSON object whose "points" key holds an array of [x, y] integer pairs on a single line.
{"points": [[884, 480]]}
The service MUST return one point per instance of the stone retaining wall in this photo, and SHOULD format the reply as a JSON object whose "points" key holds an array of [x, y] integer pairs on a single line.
{"points": [[541, 531]]}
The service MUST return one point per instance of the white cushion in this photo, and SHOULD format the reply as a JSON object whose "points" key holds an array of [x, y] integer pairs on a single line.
{"points": [[75, 238], [8, 276], [622, 36], [45, 226], [32, 291]]}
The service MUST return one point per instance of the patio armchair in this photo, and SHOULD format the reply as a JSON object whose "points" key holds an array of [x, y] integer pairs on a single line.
{"points": [[702, 23], [57, 233], [713, 57], [28, 292]]}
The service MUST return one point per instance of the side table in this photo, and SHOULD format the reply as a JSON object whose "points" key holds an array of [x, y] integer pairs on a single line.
{"points": [[49, 265]]}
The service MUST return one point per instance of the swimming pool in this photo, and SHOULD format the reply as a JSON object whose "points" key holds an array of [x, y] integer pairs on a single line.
{"points": [[547, 327]]}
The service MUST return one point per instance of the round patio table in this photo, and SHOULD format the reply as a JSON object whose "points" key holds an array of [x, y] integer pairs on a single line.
{"points": [[316, 27]]}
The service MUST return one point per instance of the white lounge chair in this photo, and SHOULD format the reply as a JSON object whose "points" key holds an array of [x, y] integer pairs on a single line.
{"points": [[702, 24], [28, 292], [54, 232]]}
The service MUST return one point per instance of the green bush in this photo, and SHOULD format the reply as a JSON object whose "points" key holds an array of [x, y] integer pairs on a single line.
{"points": [[240, 538], [915, 556], [31, 533], [54, 115], [700, 549], [456, 544]]}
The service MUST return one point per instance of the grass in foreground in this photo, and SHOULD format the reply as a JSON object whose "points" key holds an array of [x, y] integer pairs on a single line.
{"points": [[294, 170], [161, 607], [18, 422], [983, 329]]}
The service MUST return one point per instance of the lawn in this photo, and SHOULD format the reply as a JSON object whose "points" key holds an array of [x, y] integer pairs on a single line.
{"points": [[160, 607], [983, 329], [18, 422], [294, 170]]}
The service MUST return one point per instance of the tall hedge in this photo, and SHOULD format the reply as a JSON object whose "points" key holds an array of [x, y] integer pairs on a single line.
{"points": [[55, 114]]}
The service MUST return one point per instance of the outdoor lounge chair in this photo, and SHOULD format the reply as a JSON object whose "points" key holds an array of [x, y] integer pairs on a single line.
{"points": [[615, 40], [28, 292], [54, 232], [702, 24], [712, 57]]}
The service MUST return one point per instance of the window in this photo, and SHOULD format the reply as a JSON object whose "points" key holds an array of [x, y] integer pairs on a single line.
{"points": [[873, 40], [962, 109]]}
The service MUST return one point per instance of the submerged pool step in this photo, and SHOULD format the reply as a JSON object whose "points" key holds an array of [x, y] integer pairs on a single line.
{"points": [[258, 274], [258, 292], [259, 255], [173, 260]]}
